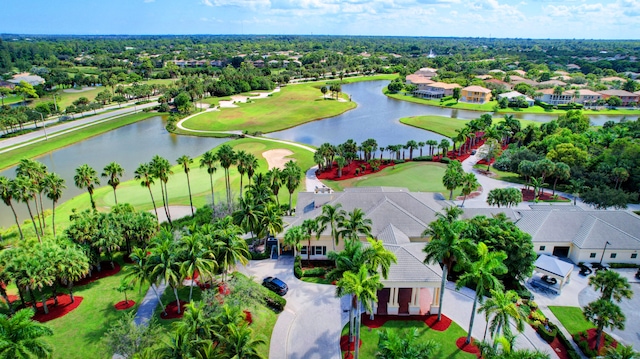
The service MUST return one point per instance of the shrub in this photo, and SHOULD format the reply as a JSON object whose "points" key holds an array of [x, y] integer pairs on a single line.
{"points": [[398, 161], [357, 172], [259, 255], [314, 272], [623, 265], [423, 158], [570, 350], [547, 335], [297, 267], [274, 301], [446, 160], [524, 293]]}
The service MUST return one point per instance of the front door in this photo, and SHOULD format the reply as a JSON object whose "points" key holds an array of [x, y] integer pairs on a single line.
{"points": [[383, 300], [404, 298]]}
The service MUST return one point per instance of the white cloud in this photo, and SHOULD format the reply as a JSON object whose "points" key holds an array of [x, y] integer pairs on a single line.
{"points": [[207, 2], [148, 1]]}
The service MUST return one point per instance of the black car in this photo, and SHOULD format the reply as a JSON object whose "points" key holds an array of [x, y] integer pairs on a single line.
{"points": [[276, 285]]}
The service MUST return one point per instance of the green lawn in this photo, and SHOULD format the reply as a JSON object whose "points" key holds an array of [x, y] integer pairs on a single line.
{"points": [[502, 175], [292, 106], [11, 99], [78, 334], [10, 158], [446, 339], [416, 176], [571, 318], [447, 126]]}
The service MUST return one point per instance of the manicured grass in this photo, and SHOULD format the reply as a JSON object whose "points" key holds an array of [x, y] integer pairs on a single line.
{"points": [[502, 175], [11, 99], [446, 339], [416, 176], [292, 106], [78, 334], [132, 192], [571, 318], [10, 158], [445, 126], [316, 280]]}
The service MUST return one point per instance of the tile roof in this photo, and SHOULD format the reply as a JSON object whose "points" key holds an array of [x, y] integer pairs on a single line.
{"points": [[477, 89], [619, 93]]}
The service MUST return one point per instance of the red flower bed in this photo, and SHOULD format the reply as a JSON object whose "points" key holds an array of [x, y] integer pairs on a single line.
{"points": [[63, 308], [349, 171], [430, 320], [468, 348], [591, 340], [527, 196], [12, 298], [122, 305], [172, 310], [106, 271], [346, 346], [559, 348]]}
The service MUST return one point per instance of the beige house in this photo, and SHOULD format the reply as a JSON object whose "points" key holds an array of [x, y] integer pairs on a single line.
{"points": [[628, 98], [475, 94], [420, 81], [436, 90]]}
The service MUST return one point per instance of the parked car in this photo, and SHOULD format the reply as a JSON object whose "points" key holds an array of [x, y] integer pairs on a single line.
{"points": [[276, 285]]}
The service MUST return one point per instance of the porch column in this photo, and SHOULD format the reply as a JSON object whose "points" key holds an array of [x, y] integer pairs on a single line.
{"points": [[414, 307], [393, 307], [435, 302]]}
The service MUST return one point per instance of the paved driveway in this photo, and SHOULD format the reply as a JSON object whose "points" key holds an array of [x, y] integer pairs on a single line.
{"points": [[310, 325]]}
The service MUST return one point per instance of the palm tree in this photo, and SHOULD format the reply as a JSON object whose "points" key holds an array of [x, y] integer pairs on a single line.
{"points": [[140, 272], [113, 171], [309, 226], [87, 177], [53, 186], [165, 264], [392, 345], [35, 171], [603, 313], [251, 164], [354, 224], [612, 285], [272, 219], [194, 259], [242, 157], [444, 144], [431, 144], [453, 177], [364, 288], [622, 352], [230, 248], [23, 192], [185, 161], [227, 157], [294, 236], [22, 338], [7, 193], [292, 177], [412, 145], [248, 215], [161, 169], [469, 184], [331, 216], [238, 342], [208, 160], [503, 306], [483, 273], [446, 246], [274, 177], [143, 172]]}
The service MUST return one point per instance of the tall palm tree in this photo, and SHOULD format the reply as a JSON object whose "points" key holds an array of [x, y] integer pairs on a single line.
{"points": [[292, 177], [113, 171], [242, 157], [274, 177], [354, 225], [364, 287], [22, 338], [331, 216], [165, 264], [140, 272], [227, 158], [309, 226], [604, 314], [248, 215], [622, 352], [503, 307], [612, 285], [7, 193], [35, 171], [469, 184], [251, 164], [193, 256], [230, 248], [483, 273], [87, 177], [23, 192], [294, 237], [53, 187], [208, 160], [185, 161], [144, 173], [272, 219], [161, 169], [446, 246]]}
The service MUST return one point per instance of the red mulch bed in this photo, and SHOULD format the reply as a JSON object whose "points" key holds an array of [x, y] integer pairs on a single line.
{"points": [[559, 348], [348, 355], [346, 346], [172, 310], [430, 320], [122, 305], [64, 307], [468, 348], [106, 271], [591, 339], [12, 298], [349, 171], [527, 196]]}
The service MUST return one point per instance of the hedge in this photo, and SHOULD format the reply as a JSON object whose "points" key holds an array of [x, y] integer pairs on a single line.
{"points": [[314, 272], [274, 301], [396, 162], [445, 160], [623, 265], [259, 255], [423, 158], [548, 336], [297, 267]]}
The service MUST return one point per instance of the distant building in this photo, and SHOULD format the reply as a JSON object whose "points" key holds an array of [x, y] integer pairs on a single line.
{"points": [[420, 81], [475, 94], [436, 90], [548, 96], [427, 72], [514, 95], [33, 80], [628, 98]]}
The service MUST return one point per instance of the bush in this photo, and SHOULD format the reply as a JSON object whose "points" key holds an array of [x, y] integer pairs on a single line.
{"points": [[623, 265], [572, 352], [297, 267], [398, 161], [274, 301], [547, 335], [423, 158], [446, 160], [524, 293], [259, 255], [314, 272]]}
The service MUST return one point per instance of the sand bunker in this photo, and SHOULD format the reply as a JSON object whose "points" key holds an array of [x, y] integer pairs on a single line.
{"points": [[277, 157]]}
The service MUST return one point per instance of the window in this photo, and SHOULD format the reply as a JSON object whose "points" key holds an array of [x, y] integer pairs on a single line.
{"points": [[634, 255], [592, 255], [542, 248], [319, 250], [613, 255], [303, 250]]}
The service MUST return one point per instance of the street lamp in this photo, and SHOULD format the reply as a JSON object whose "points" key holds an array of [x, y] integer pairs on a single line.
{"points": [[44, 126], [605, 248]]}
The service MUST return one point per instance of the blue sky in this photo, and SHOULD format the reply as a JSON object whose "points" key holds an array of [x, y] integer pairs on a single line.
{"points": [[583, 19]]}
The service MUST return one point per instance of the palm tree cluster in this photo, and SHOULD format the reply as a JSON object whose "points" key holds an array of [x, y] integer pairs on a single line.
{"points": [[31, 182], [37, 268], [172, 258], [505, 197], [454, 177]]}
